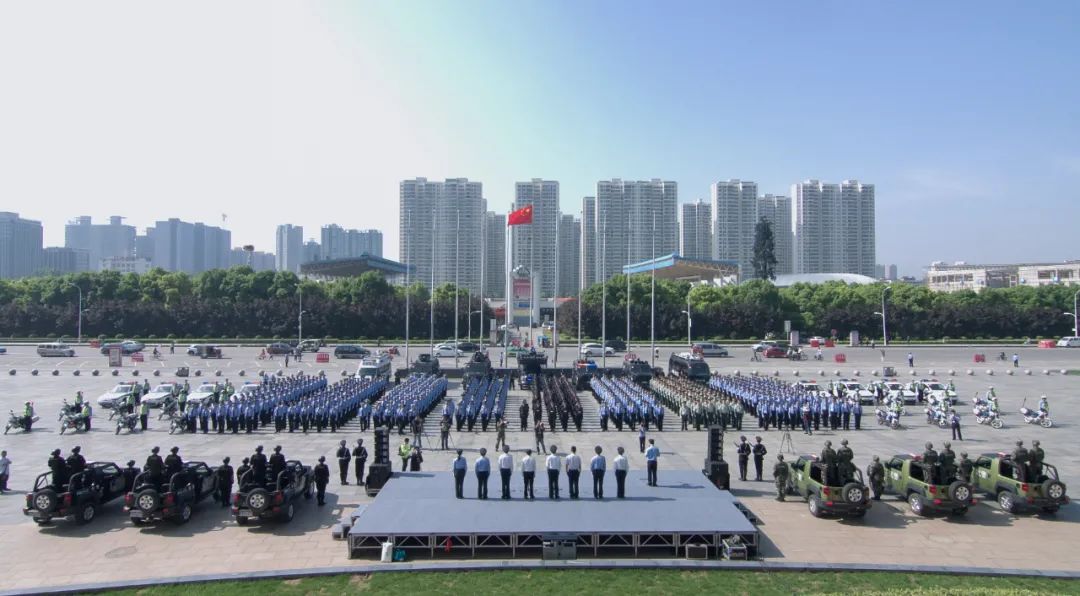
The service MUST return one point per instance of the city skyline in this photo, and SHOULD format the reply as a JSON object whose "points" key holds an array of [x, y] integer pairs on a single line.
{"points": [[327, 106]]}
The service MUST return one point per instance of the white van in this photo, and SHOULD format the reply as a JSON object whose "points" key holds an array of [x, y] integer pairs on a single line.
{"points": [[1069, 342], [55, 349]]}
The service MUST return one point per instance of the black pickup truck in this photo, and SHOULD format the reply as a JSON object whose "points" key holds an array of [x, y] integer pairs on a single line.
{"points": [[273, 498], [77, 498], [175, 501]]}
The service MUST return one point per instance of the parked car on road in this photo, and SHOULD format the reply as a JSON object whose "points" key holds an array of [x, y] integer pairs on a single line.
{"points": [[55, 348], [272, 498], [596, 350], [1069, 342], [157, 396], [710, 350], [117, 395], [447, 351], [175, 500], [127, 347], [201, 393], [926, 488], [808, 478], [351, 351], [996, 475], [279, 347]]}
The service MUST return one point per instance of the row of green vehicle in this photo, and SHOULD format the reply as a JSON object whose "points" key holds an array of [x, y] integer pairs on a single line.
{"points": [[929, 488]]}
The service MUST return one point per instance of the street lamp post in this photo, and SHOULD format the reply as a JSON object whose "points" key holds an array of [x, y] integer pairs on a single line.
{"points": [[884, 330], [1076, 314], [471, 313], [300, 318], [687, 313], [80, 310]]}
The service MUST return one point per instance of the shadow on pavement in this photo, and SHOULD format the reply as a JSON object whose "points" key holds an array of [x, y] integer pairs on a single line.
{"points": [[886, 516]]}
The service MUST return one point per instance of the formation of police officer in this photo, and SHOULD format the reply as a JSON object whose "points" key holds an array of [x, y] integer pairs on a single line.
{"points": [[623, 402], [483, 401], [403, 403], [698, 405], [779, 405]]}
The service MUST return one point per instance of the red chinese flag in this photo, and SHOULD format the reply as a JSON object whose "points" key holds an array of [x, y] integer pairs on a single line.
{"points": [[521, 216]]}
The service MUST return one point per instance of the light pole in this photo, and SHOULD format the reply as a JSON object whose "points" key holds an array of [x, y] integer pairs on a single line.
{"points": [[471, 313], [687, 313], [1073, 315], [884, 330], [1076, 314], [80, 310], [300, 318]]}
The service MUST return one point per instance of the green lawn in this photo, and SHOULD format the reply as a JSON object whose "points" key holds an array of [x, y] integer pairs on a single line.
{"points": [[627, 582]]}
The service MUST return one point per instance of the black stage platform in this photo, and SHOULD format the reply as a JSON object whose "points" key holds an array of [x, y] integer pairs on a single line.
{"points": [[418, 512]]}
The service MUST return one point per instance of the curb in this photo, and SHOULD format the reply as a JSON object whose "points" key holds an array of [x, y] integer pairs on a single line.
{"points": [[483, 565]]}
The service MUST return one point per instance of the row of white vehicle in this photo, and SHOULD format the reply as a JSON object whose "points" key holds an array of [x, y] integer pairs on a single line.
{"points": [[157, 396], [933, 390]]}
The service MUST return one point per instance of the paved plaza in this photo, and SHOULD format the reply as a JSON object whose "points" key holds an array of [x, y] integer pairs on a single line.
{"points": [[112, 549]]}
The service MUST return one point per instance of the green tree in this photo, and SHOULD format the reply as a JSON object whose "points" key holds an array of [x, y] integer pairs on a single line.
{"points": [[764, 259]]}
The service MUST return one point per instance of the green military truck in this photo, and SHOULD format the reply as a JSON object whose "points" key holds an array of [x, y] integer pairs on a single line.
{"points": [[1018, 487], [824, 492], [927, 488]]}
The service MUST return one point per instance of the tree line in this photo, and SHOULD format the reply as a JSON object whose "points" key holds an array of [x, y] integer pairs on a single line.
{"points": [[241, 303]]}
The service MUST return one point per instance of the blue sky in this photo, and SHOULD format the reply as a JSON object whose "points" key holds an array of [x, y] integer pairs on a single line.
{"points": [[964, 115]]}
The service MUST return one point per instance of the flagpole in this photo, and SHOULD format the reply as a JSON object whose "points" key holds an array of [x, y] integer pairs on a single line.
{"points": [[407, 309], [532, 286], [509, 288], [483, 266], [555, 299], [431, 296], [581, 283], [603, 300], [652, 307], [457, 285]]}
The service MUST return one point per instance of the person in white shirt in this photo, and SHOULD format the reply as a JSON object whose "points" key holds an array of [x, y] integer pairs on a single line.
{"points": [[573, 471], [506, 469], [622, 466], [528, 473], [598, 465], [553, 466]]}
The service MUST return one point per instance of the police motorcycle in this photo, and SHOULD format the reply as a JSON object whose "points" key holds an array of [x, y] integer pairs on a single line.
{"points": [[124, 420], [888, 418], [1036, 417], [937, 416], [169, 408], [18, 421], [985, 415], [177, 423], [71, 418]]}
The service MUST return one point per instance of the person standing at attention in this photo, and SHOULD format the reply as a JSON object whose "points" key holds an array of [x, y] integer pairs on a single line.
{"points": [[573, 471], [622, 466], [553, 466], [483, 470], [460, 466], [598, 465], [652, 454]]}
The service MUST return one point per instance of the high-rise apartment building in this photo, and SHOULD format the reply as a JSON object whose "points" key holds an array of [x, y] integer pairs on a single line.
{"points": [[534, 244], [60, 260], [311, 252], [569, 256], [630, 222], [20, 246], [440, 225], [100, 241], [777, 211], [289, 247], [494, 255], [191, 248], [339, 243], [734, 207], [833, 227], [697, 230], [257, 260], [587, 245]]}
